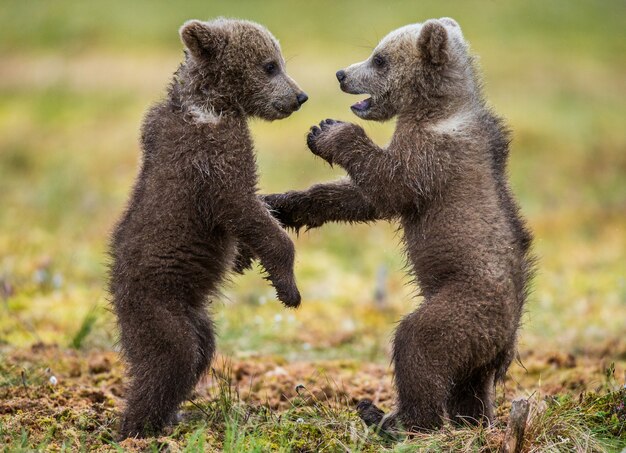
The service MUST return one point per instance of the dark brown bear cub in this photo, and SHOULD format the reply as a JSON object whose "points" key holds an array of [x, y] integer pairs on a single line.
{"points": [[443, 177], [194, 214]]}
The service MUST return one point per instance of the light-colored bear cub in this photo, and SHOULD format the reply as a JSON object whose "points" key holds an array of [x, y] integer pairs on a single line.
{"points": [[443, 177]]}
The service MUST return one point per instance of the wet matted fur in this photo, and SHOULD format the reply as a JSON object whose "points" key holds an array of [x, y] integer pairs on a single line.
{"points": [[443, 177], [194, 214]]}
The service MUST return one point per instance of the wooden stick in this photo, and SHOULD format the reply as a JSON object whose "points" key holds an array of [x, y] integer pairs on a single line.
{"points": [[514, 435]]}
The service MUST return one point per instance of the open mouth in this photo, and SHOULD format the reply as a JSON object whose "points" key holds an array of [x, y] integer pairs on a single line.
{"points": [[362, 106]]}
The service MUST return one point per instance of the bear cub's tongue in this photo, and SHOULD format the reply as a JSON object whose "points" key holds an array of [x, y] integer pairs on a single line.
{"points": [[362, 105]]}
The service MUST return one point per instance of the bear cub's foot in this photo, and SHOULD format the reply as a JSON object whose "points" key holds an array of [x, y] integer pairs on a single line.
{"points": [[375, 417], [371, 414]]}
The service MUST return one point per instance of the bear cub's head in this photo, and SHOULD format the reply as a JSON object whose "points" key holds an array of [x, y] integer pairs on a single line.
{"points": [[415, 68], [237, 65]]}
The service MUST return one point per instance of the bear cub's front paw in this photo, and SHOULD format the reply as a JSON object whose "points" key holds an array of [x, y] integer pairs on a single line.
{"points": [[288, 294], [280, 208], [319, 139]]}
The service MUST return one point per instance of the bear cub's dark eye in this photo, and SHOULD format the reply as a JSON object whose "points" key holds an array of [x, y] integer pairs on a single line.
{"points": [[379, 61], [270, 68]]}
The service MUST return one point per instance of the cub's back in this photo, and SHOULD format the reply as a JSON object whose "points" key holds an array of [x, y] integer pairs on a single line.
{"points": [[170, 217]]}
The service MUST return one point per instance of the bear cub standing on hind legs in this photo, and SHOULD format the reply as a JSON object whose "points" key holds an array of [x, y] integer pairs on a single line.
{"points": [[443, 176], [194, 213]]}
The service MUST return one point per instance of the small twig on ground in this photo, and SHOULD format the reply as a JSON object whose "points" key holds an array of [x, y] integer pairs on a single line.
{"points": [[514, 435], [200, 408]]}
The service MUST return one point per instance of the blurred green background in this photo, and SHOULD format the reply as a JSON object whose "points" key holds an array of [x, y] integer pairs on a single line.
{"points": [[76, 77]]}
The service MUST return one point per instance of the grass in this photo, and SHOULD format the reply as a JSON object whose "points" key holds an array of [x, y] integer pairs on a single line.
{"points": [[85, 329], [80, 413], [75, 79]]}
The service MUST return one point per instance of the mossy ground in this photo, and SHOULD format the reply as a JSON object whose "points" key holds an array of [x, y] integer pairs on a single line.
{"points": [[63, 399], [75, 79]]}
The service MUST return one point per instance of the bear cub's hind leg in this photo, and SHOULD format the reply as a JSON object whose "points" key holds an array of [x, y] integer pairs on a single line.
{"points": [[472, 402], [162, 374]]}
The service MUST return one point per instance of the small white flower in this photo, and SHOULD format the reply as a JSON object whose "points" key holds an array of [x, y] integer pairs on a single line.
{"points": [[53, 380], [348, 325], [278, 317], [57, 281], [300, 420], [40, 276]]}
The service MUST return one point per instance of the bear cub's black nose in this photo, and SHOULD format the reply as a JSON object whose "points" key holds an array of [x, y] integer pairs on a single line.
{"points": [[341, 74], [302, 98]]}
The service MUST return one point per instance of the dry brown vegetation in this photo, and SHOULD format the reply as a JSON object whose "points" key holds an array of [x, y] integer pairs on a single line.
{"points": [[75, 79]]}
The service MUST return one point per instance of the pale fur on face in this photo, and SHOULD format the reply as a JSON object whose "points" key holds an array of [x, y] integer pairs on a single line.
{"points": [[392, 85], [412, 31]]}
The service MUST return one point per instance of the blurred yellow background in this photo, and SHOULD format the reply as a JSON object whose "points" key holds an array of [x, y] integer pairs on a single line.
{"points": [[76, 77]]}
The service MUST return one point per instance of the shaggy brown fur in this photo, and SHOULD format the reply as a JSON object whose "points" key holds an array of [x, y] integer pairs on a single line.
{"points": [[443, 176], [194, 214]]}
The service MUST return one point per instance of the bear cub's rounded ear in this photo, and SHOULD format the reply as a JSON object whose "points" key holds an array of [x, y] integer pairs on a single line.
{"points": [[203, 40], [433, 42]]}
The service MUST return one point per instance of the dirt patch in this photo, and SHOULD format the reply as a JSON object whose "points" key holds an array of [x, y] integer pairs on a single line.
{"points": [[55, 393]]}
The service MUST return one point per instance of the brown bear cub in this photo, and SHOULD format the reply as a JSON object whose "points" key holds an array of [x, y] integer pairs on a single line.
{"points": [[443, 176], [194, 214]]}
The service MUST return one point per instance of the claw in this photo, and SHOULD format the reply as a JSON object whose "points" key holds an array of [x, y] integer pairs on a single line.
{"points": [[310, 141], [325, 124]]}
